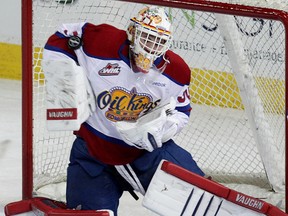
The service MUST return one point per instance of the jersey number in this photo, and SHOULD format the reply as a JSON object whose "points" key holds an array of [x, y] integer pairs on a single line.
{"points": [[184, 96]]}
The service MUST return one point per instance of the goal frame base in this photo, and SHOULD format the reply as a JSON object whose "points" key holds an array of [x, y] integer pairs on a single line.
{"points": [[48, 207]]}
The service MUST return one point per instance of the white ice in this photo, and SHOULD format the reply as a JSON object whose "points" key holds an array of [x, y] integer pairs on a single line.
{"points": [[10, 142]]}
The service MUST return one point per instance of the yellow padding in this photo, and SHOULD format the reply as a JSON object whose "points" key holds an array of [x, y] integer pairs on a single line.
{"points": [[214, 89], [38, 73], [220, 89], [272, 94], [10, 61], [208, 87]]}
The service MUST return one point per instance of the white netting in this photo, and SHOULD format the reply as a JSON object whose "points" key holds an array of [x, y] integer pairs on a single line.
{"points": [[219, 134]]}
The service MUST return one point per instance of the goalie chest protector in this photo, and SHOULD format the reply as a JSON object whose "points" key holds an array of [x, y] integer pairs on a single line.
{"points": [[121, 94]]}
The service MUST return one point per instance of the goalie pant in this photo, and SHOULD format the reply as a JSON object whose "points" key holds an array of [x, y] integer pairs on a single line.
{"points": [[94, 185]]}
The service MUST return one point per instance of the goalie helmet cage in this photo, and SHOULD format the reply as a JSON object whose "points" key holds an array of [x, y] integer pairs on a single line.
{"points": [[249, 48]]}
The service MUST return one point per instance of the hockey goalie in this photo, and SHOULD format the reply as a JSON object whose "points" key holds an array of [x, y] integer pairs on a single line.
{"points": [[126, 96], [173, 191]]}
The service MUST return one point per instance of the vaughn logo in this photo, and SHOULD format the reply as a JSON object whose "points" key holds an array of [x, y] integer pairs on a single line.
{"points": [[110, 70], [249, 201], [62, 114]]}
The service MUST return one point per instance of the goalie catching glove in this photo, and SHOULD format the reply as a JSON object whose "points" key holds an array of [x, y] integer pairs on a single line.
{"points": [[150, 130]]}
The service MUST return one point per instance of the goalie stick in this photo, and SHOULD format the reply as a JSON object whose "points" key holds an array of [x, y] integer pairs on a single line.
{"points": [[177, 191]]}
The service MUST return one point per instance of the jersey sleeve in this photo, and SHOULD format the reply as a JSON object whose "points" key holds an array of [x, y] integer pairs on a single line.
{"points": [[183, 107], [180, 74], [57, 47]]}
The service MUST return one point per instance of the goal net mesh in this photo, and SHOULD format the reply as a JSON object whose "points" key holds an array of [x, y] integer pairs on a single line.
{"points": [[236, 131]]}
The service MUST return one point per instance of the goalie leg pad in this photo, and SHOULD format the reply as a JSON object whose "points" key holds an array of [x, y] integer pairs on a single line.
{"points": [[176, 191]]}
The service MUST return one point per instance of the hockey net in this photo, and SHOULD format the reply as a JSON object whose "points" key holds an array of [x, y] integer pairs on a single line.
{"points": [[237, 55]]}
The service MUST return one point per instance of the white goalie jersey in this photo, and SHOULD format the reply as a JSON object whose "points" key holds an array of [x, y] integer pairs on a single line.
{"points": [[119, 93]]}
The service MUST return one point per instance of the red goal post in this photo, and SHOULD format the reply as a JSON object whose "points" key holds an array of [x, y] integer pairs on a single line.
{"points": [[256, 97]]}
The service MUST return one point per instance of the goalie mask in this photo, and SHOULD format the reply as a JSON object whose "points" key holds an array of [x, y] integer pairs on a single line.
{"points": [[150, 37]]}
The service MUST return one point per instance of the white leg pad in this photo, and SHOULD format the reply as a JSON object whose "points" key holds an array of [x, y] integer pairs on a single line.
{"points": [[176, 191]]}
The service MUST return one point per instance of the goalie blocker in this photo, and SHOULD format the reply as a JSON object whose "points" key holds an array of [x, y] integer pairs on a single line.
{"points": [[177, 191], [69, 96]]}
